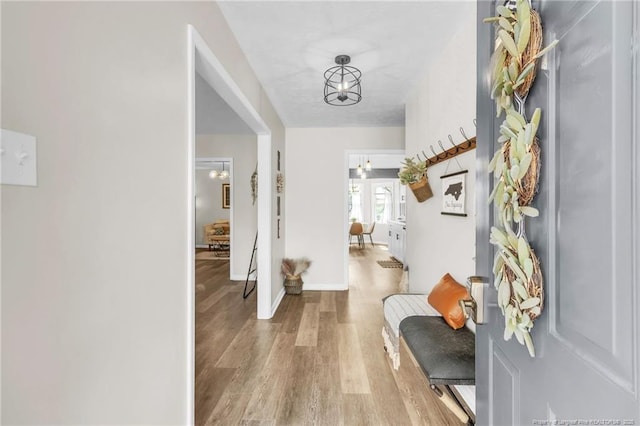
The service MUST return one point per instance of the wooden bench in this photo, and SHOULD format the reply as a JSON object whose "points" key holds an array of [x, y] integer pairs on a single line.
{"points": [[446, 357]]}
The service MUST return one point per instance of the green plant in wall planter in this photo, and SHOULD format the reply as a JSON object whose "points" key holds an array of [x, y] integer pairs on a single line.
{"points": [[414, 174], [516, 169]]}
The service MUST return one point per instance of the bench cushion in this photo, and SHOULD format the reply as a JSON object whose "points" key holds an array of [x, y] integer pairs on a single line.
{"points": [[446, 356]]}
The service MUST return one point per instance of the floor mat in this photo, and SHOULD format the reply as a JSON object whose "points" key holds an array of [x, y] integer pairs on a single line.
{"points": [[391, 263]]}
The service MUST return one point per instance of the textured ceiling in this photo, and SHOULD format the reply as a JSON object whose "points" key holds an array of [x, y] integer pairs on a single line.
{"points": [[290, 44]]}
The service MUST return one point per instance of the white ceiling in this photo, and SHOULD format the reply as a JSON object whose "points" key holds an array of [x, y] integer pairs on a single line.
{"points": [[213, 163], [290, 44]]}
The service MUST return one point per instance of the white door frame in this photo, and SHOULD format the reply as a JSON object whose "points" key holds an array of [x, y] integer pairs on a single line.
{"points": [[201, 58], [345, 187]]}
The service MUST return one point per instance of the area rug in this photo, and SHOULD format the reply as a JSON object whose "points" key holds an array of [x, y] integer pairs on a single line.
{"points": [[212, 255], [391, 263]]}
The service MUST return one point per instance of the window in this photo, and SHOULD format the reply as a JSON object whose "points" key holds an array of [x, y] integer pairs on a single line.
{"points": [[355, 203], [382, 202]]}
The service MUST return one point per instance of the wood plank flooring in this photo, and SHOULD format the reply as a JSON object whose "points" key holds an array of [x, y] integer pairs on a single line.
{"points": [[318, 361]]}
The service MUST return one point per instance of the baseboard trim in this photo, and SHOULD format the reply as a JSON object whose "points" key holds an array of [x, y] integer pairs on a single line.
{"points": [[276, 303], [252, 277], [206, 246], [325, 287]]}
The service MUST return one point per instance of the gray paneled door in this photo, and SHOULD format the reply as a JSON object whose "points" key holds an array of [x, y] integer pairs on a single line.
{"points": [[588, 232]]}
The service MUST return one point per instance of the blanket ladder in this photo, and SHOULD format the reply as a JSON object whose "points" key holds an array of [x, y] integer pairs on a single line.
{"points": [[252, 268]]}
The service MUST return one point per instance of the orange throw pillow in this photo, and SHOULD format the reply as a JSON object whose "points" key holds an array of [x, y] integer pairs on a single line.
{"points": [[444, 299]]}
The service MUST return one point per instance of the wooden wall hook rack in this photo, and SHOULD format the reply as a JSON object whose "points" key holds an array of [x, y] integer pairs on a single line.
{"points": [[450, 153]]}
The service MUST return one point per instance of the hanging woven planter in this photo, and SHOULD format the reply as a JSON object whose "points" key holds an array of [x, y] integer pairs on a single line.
{"points": [[421, 189], [414, 174]]}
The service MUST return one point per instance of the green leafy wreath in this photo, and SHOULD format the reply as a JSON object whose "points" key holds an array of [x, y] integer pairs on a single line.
{"points": [[516, 169]]}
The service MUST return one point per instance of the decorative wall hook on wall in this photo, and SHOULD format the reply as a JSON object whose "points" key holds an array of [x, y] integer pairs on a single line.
{"points": [[464, 135], [432, 150], [452, 142], [455, 154], [447, 154]]}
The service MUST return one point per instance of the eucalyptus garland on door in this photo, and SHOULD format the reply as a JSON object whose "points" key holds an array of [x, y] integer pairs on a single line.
{"points": [[516, 169]]}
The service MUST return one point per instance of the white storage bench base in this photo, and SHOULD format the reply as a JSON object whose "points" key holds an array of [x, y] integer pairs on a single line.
{"points": [[397, 307], [446, 356]]}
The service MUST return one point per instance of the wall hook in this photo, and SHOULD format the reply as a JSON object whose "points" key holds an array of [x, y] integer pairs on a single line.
{"points": [[453, 144], [451, 153], [464, 135], [432, 150], [451, 140]]}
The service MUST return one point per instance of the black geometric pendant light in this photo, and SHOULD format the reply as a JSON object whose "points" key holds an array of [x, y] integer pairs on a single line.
{"points": [[342, 83]]}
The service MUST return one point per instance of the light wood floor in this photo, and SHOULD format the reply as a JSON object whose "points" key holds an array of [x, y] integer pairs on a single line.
{"points": [[318, 361]]}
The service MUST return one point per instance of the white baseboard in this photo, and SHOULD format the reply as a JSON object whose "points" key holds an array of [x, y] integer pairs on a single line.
{"points": [[202, 246], [235, 277], [325, 287], [276, 303]]}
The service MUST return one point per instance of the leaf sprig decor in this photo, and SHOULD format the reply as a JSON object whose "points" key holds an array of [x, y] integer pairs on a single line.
{"points": [[516, 169], [518, 280], [518, 43]]}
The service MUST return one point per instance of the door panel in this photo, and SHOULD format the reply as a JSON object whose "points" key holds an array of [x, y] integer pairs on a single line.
{"points": [[505, 387], [587, 84], [586, 236]]}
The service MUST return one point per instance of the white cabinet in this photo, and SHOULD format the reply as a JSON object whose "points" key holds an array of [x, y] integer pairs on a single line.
{"points": [[397, 240]]}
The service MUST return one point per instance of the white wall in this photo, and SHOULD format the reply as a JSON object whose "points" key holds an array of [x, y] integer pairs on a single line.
{"points": [[242, 149], [442, 103], [208, 202], [94, 295], [316, 194]]}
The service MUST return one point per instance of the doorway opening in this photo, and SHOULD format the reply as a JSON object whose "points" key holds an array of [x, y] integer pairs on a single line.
{"points": [[202, 63], [374, 202], [214, 206]]}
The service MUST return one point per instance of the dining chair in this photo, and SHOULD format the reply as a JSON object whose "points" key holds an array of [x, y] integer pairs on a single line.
{"points": [[369, 232], [356, 229]]}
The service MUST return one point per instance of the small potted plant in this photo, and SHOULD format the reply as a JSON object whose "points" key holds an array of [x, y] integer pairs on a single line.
{"points": [[292, 269], [414, 174]]}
